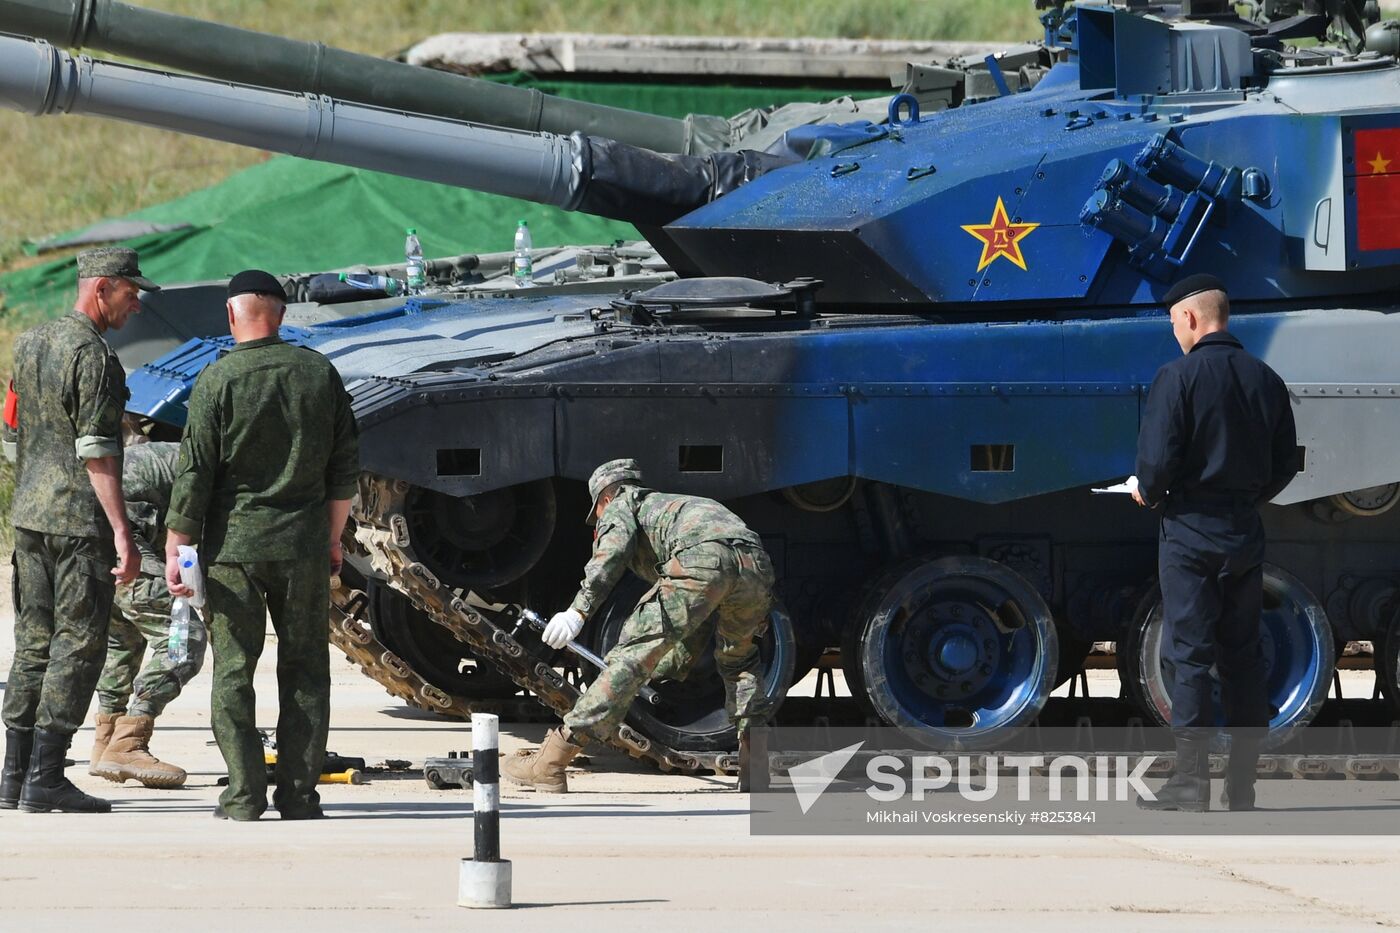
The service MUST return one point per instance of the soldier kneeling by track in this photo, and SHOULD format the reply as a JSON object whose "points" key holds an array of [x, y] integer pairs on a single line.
{"points": [[703, 562], [141, 617]]}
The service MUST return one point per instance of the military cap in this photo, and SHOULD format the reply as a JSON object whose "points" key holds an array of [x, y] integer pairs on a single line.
{"points": [[256, 282], [614, 471], [116, 261], [1192, 285]]}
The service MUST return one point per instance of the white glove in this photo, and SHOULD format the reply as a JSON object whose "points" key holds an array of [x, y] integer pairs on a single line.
{"points": [[563, 628]]}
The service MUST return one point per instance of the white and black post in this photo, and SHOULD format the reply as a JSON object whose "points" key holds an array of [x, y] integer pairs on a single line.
{"points": [[484, 880]]}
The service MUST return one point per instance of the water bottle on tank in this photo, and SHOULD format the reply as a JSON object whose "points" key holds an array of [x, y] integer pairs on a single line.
{"points": [[416, 272], [523, 266]]}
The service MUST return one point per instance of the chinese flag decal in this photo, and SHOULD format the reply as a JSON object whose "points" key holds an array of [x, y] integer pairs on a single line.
{"points": [[1000, 238], [1377, 168]]}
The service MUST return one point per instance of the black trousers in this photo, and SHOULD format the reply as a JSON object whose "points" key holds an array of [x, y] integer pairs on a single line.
{"points": [[1210, 565]]}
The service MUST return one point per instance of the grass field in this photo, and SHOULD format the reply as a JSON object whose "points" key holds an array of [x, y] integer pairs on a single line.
{"points": [[64, 172]]}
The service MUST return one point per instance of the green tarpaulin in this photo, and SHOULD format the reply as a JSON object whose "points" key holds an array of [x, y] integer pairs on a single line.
{"points": [[288, 215]]}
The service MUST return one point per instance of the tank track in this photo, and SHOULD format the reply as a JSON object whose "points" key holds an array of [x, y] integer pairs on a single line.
{"points": [[381, 535]]}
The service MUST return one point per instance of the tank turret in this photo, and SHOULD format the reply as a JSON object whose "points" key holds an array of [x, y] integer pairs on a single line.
{"points": [[1124, 168], [249, 57]]}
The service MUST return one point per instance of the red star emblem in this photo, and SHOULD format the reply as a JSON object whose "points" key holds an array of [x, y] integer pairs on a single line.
{"points": [[1000, 238]]}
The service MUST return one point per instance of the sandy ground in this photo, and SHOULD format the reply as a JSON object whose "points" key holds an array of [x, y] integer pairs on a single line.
{"points": [[626, 850]]}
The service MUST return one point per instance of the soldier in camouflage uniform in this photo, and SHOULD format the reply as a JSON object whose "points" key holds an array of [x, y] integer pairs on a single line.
{"points": [[70, 529], [141, 617], [703, 562], [268, 465]]}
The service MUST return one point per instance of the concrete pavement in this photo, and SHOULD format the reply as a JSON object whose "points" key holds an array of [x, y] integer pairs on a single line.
{"points": [[628, 850]]}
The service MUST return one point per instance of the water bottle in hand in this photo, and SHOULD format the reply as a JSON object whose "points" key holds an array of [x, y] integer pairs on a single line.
{"points": [[178, 645]]}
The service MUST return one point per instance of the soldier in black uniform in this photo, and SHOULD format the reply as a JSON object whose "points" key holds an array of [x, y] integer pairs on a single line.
{"points": [[1217, 441]]}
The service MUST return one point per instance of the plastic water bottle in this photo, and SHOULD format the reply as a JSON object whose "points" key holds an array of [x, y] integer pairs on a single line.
{"points": [[178, 645], [417, 273], [372, 283], [524, 265]]}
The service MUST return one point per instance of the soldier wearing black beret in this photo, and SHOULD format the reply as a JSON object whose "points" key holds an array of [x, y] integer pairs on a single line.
{"points": [[268, 464], [1217, 441]]}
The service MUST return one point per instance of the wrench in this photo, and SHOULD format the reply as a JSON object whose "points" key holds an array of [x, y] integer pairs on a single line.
{"points": [[539, 622]]}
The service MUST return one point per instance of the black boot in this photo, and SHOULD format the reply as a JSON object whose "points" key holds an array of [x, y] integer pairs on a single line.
{"points": [[18, 745], [745, 763], [1240, 772], [45, 787], [1188, 789]]}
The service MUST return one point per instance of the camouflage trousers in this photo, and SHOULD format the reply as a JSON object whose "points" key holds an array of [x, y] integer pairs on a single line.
{"points": [[665, 633], [63, 590], [238, 599], [141, 617]]}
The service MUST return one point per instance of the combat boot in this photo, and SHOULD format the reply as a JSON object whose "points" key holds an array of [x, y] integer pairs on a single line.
{"points": [[543, 769], [45, 788], [129, 756], [1240, 772], [101, 738], [745, 763], [1188, 789], [19, 743]]}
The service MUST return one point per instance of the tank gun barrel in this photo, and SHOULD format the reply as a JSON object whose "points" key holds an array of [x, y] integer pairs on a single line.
{"points": [[591, 174], [247, 57]]}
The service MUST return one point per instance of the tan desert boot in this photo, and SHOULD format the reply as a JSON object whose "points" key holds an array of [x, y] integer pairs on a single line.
{"points": [[103, 735], [129, 756], [543, 769]]}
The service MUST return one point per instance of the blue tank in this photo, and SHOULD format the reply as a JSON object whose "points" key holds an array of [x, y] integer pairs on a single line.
{"points": [[904, 352]]}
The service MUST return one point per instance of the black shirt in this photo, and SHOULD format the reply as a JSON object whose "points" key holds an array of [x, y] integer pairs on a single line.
{"points": [[1217, 426]]}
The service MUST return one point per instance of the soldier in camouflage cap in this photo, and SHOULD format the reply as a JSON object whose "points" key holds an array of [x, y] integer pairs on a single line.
{"points": [[70, 529], [614, 471], [703, 562], [113, 262], [128, 703]]}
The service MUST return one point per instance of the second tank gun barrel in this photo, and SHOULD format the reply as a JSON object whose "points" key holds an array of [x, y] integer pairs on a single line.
{"points": [[576, 172], [242, 55]]}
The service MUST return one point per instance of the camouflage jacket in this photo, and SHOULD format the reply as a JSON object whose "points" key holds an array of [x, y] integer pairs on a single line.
{"points": [[148, 473], [642, 529], [72, 391], [270, 439]]}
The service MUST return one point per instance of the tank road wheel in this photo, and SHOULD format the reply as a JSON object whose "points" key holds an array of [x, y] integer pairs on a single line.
{"points": [[1299, 656], [691, 715], [482, 541], [960, 651], [431, 650]]}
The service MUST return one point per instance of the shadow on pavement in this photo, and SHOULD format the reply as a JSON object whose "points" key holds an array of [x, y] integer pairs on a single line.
{"points": [[643, 900], [448, 810]]}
